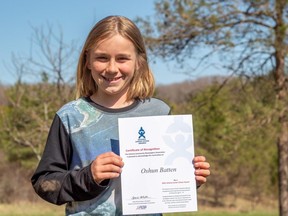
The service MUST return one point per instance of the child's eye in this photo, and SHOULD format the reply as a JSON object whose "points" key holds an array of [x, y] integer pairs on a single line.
{"points": [[101, 58], [123, 59]]}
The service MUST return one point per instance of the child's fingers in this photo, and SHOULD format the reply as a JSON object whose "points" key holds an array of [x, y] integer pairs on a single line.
{"points": [[199, 159], [106, 166]]}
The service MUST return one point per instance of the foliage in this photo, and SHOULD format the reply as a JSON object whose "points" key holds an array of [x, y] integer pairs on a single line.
{"points": [[230, 130], [235, 124], [26, 117], [240, 32], [249, 38], [225, 125], [25, 121]]}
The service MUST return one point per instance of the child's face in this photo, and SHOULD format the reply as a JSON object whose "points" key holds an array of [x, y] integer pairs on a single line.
{"points": [[112, 64]]}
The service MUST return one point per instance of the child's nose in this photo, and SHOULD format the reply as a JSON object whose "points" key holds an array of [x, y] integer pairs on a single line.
{"points": [[112, 67]]}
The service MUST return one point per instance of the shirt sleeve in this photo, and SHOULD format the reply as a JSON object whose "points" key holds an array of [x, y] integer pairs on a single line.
{"points": [[53, 181]]}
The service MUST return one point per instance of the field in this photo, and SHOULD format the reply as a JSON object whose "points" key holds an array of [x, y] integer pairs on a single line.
{"points": [[45, 209]]}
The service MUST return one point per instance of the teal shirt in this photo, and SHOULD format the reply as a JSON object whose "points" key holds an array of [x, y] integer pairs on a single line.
{"points": [[93, 130]]}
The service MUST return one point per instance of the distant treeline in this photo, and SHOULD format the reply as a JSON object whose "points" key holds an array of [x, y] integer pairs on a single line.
{"points": [[234, 127]]}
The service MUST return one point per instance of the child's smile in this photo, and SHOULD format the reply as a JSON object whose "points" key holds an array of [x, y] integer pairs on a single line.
{"points": [[112, 79]]}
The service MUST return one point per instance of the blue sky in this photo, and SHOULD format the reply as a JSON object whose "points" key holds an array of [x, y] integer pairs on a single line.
{"points": [[75, 18]]}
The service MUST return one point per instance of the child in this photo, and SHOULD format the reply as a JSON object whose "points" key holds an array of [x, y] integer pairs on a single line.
{"points": [[79, 166]]}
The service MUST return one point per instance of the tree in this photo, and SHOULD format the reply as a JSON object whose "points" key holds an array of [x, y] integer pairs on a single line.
{"points": [[225, 128], [50, 59], [26, 117], [249, 37], [25, 120]]}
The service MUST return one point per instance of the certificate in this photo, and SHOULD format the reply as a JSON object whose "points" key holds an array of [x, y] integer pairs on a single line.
{"points": [[158, 174]]}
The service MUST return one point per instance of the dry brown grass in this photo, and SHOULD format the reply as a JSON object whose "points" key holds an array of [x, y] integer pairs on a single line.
{"points": [[42, 208], [31, 209], [17, 198], [235, 203]]}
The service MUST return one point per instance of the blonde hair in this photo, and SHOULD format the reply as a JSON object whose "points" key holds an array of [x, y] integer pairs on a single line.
{"points": [[142, 85]]}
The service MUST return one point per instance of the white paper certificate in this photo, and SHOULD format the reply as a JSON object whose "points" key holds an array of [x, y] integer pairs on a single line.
{"points": [[158, 174]]}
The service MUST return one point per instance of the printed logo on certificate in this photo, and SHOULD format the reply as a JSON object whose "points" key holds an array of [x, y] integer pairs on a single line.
{"points": [[158, 174]]}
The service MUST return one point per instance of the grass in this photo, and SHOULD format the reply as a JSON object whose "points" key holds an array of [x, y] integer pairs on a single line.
{"points": [[224, 213], [46, 209], [31, 209]]}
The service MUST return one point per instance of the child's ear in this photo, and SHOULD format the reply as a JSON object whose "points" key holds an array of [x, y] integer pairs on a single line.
{"points": [[137, 65], [88, 64]]}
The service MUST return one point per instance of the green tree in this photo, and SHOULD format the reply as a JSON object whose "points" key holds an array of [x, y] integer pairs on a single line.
{"points": [[250, 38], [27, 116], [26, 119], [231, 129]]}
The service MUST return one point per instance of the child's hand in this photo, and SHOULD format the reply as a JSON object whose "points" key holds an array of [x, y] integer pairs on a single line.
{"points": [[106, 166], [201, 169]]}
